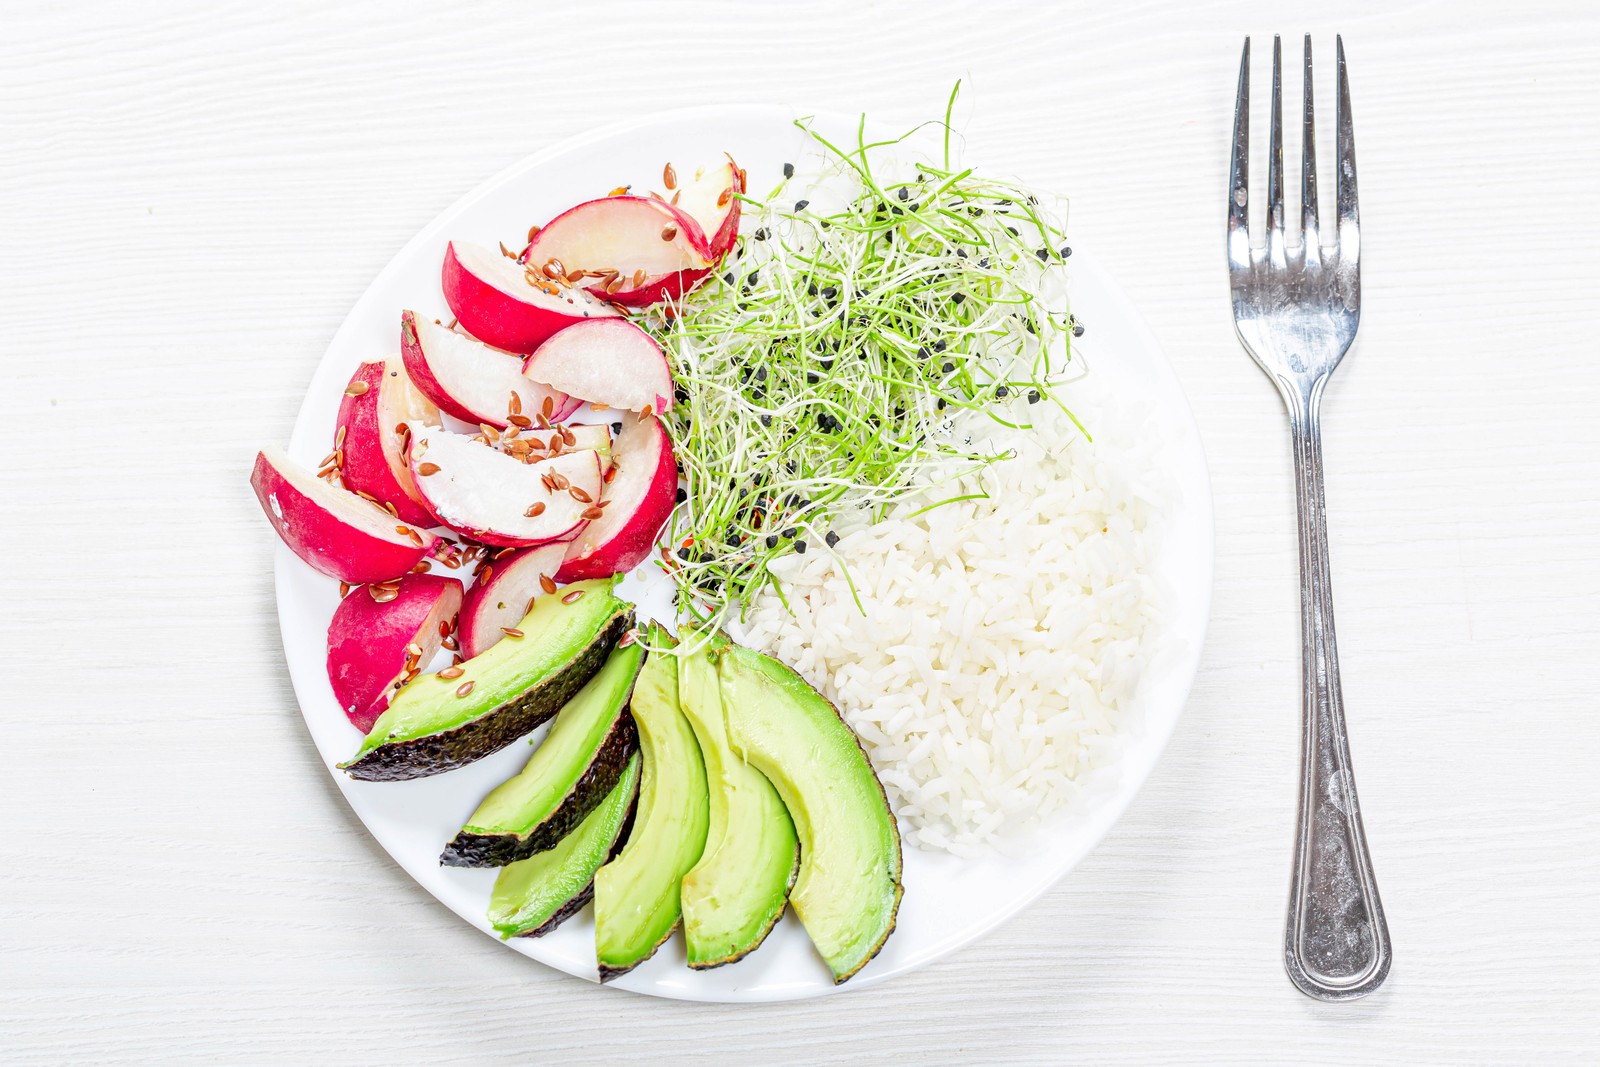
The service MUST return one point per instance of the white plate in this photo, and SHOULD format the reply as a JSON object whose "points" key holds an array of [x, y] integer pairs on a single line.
{"points": [[948, 901]]}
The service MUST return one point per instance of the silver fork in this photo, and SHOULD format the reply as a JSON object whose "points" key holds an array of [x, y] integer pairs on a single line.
{"points": [[1296, 309]]}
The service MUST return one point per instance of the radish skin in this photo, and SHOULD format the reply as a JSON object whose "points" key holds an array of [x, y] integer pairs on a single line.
{"points": [[367, 641], [639, 499], [378, 399]]}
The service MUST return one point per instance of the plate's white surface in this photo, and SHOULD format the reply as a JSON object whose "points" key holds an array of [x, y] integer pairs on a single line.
{"points": [[948, 902]]}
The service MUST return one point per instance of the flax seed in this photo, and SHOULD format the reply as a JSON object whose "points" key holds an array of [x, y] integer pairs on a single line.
{"points": [[669, 232], [521, 422], [572, 597], [592, 512], [344, 590], [534, 510], [355, 389], [450, 644], [669, 177], [547, 583], [512, 631], [428, 468], [464, 688], [580, 496], [450, 674]]}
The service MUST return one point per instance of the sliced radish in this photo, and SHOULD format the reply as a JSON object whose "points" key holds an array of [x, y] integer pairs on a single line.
{"points": [[378, 399], [495, 301], [334, 531], [373, 645], [642, 251], [504, 593], [471, 380], [710, 198], [610, 362], [533, 445], [638, 499], [595, 436], [487, 495]]}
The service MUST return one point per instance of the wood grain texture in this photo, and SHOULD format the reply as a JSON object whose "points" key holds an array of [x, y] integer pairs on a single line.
{"points": [[192, 196]]}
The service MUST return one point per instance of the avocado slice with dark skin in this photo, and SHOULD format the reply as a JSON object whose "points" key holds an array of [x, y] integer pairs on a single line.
{"points": [[848, 891], [572, 771], [533, 896], [732, 898], [637, 895], [436, 725]]}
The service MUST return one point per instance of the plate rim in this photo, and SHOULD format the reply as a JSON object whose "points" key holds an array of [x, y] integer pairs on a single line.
{"points": [[1104, 816]]}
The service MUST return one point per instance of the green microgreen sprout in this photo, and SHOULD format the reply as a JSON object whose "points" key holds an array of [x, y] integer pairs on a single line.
{"points": [[822, 368]]}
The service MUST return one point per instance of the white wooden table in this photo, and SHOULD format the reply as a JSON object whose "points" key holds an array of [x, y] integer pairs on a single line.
{"points": [[191, 196]]}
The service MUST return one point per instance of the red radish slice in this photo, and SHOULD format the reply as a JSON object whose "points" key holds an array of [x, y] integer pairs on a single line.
{"points": [[471, 380], [503, 595], [610, 362], [638, 500], [495, 301], [710, 198], [370, 643], [485, 494], [334, 531], [378, 399], [595, 436], [657, 252]]}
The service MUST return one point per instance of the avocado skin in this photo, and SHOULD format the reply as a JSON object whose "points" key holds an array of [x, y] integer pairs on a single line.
{"points": [[592, 786], [401, 761], [586, 894]]}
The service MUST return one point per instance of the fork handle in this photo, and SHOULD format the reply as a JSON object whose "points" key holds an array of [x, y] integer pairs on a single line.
{"points": [[1336, 943]]}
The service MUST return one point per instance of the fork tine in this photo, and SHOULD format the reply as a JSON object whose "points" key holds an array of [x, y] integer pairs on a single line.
{"points": [[1349, 217], [1239, 170], [1275, 239], [1309, 239]]}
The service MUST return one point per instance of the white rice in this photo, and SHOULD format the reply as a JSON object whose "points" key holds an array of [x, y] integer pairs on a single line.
{"points": [[998, 642]]}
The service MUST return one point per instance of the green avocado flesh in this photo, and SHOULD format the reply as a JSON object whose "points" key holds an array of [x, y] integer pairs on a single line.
{"points": [[533, 896], [735, 894], [579, 762], [636, 895], [849, 886], [509, 690]]}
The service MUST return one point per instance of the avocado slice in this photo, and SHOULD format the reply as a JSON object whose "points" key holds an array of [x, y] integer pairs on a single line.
{"points": [[566, 777], [533, 896], [735, 894], [636, 895], [849, 889], [436, 724]]}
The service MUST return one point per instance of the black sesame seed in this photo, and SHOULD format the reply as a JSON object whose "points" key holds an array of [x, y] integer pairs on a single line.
{"points": [[975, 212], [733, 540], [812, 289], [812, 377], [1066, 250], [832, 538], [1012, 230], [904, 193], [826, 225], [790, 531], [772, 540], [961, 253], [958, 298], [751, 279], [984, 262], [729, 278], [1001, 392], [1077, 329], [800, 205], [941, 403], [827, 364], [683, 554], [923, 353], [895, 210], [761, 374], [761, 234], [940, 346], [1033, 396], [800, 547], [616, 427], [802, 503], [1042, 253], [766, 420], [948, 367], [830, 292], [681, 495], [788, 170], [1002, 203]]}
